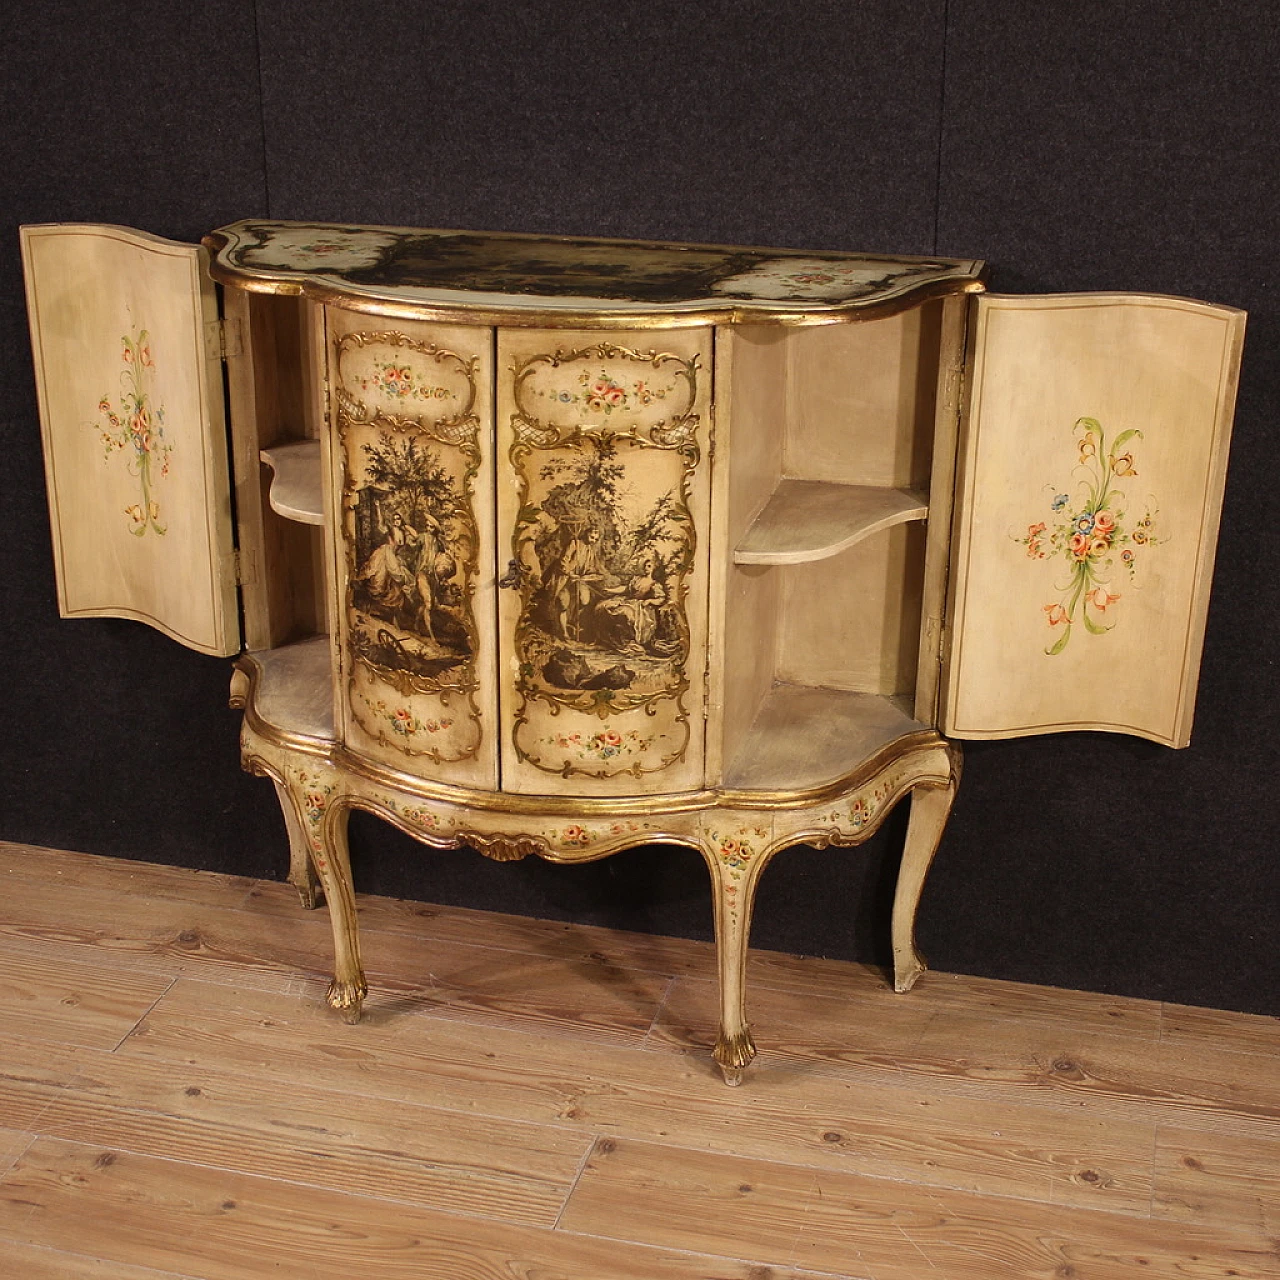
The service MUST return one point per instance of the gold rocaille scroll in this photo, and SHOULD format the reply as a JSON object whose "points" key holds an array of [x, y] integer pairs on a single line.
{"points": [[604, 514], [412, 409]]}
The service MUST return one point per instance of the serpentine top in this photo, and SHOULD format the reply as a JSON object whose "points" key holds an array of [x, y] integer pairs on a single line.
{"points": [[555, 278]]}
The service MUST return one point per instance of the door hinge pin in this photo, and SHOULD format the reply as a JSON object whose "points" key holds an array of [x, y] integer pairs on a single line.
{"points": [[222, 339]]}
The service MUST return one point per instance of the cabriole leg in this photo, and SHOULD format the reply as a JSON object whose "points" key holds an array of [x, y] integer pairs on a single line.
{"points": [[736, 861], [322, 816], [302, 874], [930, 808], [333, 865]]}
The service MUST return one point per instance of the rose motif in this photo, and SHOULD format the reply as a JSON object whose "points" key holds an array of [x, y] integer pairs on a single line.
{"points": [[1088, 535], [134, 423]]}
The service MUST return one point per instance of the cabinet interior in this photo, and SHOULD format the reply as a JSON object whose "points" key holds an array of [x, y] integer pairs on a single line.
{"points": [[827, 499], [823, 506], [275, 420]]}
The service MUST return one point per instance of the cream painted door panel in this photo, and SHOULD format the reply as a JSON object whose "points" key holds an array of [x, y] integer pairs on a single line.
{"points": [[603, 494], [412, 476], [124, 329], [1092, 462]]}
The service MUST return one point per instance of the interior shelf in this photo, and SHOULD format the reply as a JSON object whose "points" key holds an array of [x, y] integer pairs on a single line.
{"points": [[803, 737], [295, 486], [813, 519], [295, 690]]}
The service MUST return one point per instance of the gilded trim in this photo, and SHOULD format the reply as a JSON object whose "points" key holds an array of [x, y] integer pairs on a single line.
{"points": [[920, 743], [809, 317], [733, 1052]]}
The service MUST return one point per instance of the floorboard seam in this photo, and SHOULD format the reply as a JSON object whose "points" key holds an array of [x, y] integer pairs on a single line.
{"points": [[577, 1177], [658, 1012], [145, 1015]]}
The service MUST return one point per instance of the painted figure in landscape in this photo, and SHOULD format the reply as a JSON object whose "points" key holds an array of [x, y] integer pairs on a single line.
{"points": [[605, 541], [407, 586]]}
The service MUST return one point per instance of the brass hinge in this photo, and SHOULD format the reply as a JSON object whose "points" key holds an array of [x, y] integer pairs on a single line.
{"points": [[222, 339], [932, 636], [936, 636], [955, 386], [242, 569]]}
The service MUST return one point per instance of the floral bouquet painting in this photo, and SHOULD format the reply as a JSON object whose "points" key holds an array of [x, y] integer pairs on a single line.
{"points": [[1093, 533], [135, 428]]}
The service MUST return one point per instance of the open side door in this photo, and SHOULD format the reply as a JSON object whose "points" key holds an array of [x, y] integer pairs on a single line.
{"points": [[1093, 456], [124, 330]]}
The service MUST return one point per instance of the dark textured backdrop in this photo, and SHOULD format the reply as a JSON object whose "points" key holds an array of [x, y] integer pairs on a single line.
{"points": [[1076, 146]]}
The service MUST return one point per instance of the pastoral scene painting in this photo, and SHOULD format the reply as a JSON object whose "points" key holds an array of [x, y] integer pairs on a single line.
{"points": [[605, 543], [412, 544]]}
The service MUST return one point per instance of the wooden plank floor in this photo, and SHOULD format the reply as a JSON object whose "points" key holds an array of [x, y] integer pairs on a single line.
{"points": [[535, 1101]]}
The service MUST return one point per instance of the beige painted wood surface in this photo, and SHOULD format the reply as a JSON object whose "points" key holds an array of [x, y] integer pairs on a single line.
{"points": [[124, 330], [296, 486], [271, 377], [807, 520], [853, 621], [295, 688], [948, 398], [803, 736], [860, 400], [1093, 461], [750, 410], [215, 1123]]}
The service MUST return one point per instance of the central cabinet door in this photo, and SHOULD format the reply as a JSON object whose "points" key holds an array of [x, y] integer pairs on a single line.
{"points": [[603, 497], [411, 457]]}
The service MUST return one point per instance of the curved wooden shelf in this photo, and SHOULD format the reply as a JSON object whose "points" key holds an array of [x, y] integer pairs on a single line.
{"points": [[803, 736], [813, 519], [295, 486], [293, 692]]}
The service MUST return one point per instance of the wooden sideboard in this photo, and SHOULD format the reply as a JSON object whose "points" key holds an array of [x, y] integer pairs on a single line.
{"points": [[561, 546]]}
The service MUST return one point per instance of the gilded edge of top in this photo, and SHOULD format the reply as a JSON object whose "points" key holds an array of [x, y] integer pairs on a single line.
{"points": [[968, 276]]}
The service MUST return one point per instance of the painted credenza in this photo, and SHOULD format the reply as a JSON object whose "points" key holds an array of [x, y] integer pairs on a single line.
{"points": [[561, 546]]}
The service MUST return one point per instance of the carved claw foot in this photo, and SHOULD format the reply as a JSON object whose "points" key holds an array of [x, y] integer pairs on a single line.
{"points": [[733, 1054], [347, 998]]}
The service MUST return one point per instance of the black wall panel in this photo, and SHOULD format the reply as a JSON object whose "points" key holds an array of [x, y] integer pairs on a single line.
{"points": [[115, 739], [1093, 146], [746, 121], [1130, 147]]}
